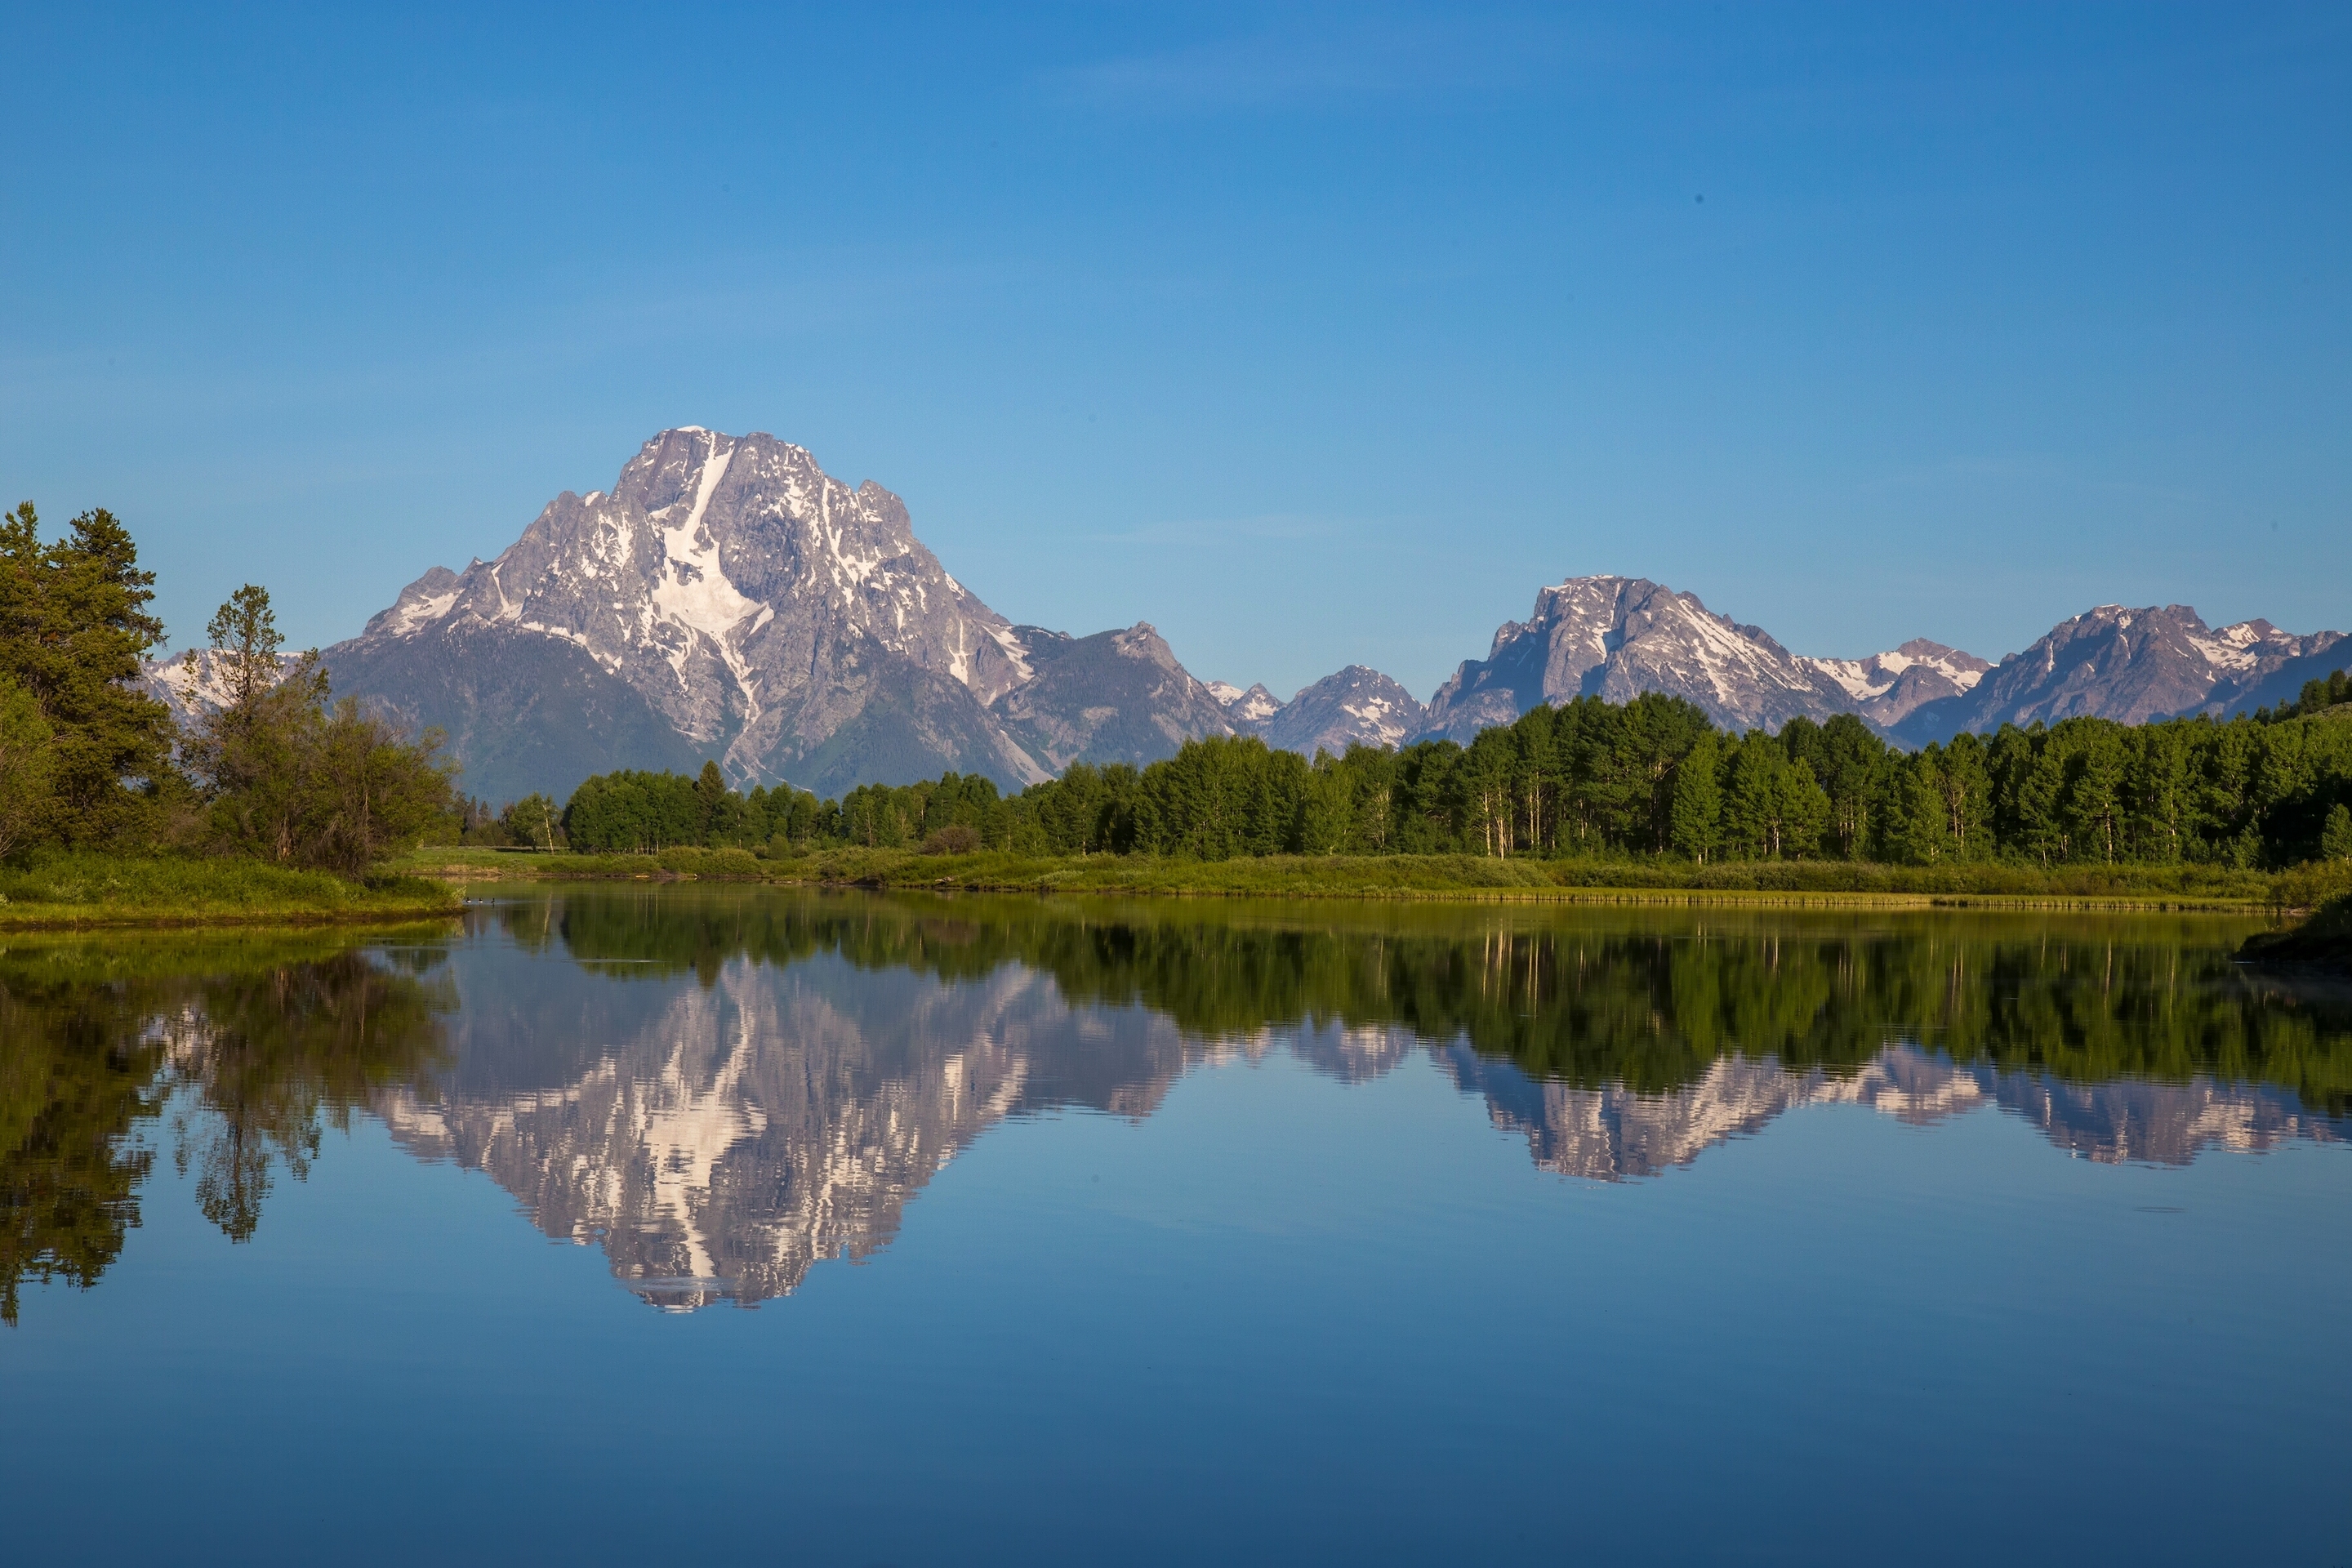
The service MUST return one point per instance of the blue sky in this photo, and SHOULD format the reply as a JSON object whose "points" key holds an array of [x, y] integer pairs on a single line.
{"points": [[1311, 335]]}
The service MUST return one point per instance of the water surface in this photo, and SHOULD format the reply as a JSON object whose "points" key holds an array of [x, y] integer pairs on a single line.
{"points": [[1087, 1231]]}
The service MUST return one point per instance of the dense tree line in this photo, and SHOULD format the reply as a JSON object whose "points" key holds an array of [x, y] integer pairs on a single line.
{"points": [[281, 771], [284, 773], [1642, 999], [1649, 778]]}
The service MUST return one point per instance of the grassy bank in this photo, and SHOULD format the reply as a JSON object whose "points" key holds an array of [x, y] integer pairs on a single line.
{"points": [[1826, 883], [83, 890], [2324, 942]]}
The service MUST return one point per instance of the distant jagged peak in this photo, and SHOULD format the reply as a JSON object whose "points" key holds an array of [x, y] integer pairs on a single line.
{"points": [[2231, 648], [1244, 708], [195, 683], [420, 604], [1615, 637], [2132, 664], [1356, 706], [1933, 671]]}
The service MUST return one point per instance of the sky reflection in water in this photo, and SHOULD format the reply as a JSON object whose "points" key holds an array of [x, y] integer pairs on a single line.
{"points": [[1950, 1250]]}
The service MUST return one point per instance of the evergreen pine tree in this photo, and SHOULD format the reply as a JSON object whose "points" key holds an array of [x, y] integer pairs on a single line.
{"points": [[2335, 838], [73, 626], [1694, 823]]}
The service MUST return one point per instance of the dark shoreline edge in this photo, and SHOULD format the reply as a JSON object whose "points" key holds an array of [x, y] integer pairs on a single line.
{"points": [[2321, 945]]}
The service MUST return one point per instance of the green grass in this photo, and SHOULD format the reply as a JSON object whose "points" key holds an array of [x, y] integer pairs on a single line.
{"points": [[1446, 875], [455, 864], [81, 889]]}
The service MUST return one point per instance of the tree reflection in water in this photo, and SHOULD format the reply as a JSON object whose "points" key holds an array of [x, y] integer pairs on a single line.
{"points": [[1641, 999], [253, 1045], [770, 1077], [721, 1087]]}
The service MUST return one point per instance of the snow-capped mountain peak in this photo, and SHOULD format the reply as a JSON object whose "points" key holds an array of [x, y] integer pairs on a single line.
{"points": [[1245, 709], [1618, 637], [726, 598], [1886, 688]]}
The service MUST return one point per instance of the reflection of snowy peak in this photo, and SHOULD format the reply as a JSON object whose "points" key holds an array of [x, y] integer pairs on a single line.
{"points": [[1610, 1134], [720, 1146], [720, 1126]]}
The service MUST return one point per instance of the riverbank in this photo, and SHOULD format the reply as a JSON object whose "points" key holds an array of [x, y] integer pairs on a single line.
{"points": [[84, 892], [1828, 884], [2324, 942]]}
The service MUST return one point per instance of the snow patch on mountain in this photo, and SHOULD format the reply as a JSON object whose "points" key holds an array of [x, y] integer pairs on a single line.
{"points": [[1616, 637], [1356, 706], [2131, 666], [1247, 708], [767, 614], [693, 590]]}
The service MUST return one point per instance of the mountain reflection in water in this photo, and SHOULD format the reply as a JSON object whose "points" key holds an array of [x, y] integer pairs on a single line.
{"points": [[721, 1087]]}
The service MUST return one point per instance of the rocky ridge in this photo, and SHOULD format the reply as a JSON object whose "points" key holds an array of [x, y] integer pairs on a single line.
{"points": [[1245, 709], [1616, 637], [2133, 666], [728, 598], [1888, 688], [1357, 707]]}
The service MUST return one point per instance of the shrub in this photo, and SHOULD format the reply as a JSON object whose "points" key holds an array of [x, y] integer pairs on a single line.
{"points": [[955, 838]]}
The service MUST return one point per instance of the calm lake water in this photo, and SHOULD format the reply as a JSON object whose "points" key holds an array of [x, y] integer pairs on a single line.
{"points": [[1096, 1232]]}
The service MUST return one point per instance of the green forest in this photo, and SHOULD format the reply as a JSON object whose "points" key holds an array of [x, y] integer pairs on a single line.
{"points": [[1650, 779], [93, 769]]}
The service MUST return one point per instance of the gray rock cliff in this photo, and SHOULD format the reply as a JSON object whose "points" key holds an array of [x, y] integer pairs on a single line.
{"points": [[727, 598]]}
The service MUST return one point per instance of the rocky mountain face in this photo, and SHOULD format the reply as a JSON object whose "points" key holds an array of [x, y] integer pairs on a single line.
{"points": [[1616, 637], [1245, 709], [1357, 707], [1114, 697], [2133, 666], [1888, 688], [727, 598]]}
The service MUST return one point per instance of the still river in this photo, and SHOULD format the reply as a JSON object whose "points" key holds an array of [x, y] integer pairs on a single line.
{"points": [[1108, 1232]]}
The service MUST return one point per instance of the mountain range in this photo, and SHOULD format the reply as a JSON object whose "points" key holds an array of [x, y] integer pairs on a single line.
{"points": [[728, 599]]}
